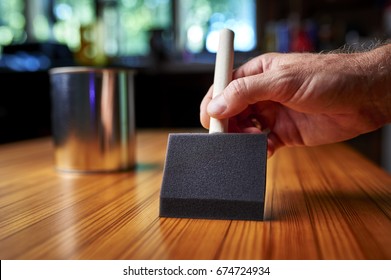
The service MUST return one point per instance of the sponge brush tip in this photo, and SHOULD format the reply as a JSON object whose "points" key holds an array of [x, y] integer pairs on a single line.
{"points": [[214, 176]]}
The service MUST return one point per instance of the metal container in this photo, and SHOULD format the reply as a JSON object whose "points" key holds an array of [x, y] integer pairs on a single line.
{"points": [[93, 118]]}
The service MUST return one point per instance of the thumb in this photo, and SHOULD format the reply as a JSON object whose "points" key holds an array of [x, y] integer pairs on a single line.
{"points": [[240, 93]]}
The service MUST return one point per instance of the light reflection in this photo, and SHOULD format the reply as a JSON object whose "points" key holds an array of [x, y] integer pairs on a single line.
{"points": [[63, 11], [92, 94], [245, 36], [195, 36], [66, 223], [6, 35], [17, 20], [236, 15], [41, 28], [130, 22], [12, 23], [212, 41], [22, 61]]}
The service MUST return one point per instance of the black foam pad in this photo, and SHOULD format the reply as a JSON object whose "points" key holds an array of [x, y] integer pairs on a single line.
{"points": [[214, 176]]}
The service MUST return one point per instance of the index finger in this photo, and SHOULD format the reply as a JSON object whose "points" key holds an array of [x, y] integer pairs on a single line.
{"points": [[204, 117], [254, 66]]}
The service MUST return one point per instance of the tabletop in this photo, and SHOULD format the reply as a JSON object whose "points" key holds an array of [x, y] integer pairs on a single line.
{"points": [[325, 202]]}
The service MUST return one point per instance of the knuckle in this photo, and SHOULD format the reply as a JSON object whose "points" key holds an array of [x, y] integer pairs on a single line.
{"points": [[239, 89]]}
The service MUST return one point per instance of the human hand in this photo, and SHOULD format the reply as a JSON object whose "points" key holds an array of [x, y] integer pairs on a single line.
{"points": [[306, 99]]}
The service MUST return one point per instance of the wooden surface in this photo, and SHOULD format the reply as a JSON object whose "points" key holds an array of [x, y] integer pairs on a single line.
{"points": [[326, 202]]}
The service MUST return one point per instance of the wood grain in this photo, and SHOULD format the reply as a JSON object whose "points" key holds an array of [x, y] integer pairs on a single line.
{"points": [[325, 202]]}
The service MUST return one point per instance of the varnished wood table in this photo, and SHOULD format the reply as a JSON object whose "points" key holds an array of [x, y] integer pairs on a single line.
{"points": [[325, 202]]}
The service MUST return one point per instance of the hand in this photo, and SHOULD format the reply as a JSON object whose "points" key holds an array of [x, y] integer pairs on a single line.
{"points": [[306, 99]]}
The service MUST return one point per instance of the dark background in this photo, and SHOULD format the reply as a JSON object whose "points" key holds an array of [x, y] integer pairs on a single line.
{"points": [[168, 94]]}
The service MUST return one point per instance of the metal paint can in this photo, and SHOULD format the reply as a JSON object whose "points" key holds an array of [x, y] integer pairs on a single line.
{"points": [[93, 118]]}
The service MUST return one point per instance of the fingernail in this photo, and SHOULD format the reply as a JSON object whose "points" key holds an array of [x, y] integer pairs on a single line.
{"points": [[217, 106]]}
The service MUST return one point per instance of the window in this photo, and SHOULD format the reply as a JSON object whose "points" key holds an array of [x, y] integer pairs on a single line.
{"points": [[137, 18], [200, 20], [112, 28], [94, 30], [71, 17], [12, 22]]}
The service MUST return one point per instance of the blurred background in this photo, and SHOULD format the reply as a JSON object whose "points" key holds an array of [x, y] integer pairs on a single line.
{"points": [[171, 44]]}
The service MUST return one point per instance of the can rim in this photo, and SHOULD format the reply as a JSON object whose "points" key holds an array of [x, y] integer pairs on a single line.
{"points": [[88, 69]]}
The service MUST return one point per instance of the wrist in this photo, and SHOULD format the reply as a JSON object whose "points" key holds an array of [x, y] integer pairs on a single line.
{"points": [[379, 80]]}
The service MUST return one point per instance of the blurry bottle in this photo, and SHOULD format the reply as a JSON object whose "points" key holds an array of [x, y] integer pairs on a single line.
{"points": [[270, 37], [91, 50], [92, 39], [282, 37], [301, 41]]}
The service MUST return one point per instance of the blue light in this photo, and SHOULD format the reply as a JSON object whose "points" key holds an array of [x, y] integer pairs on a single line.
{"points": [[92, 93], [63, 11], [22, 61]]}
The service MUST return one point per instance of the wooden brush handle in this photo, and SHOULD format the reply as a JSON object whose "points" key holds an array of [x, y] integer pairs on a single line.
{"points": [[222, 74]]}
